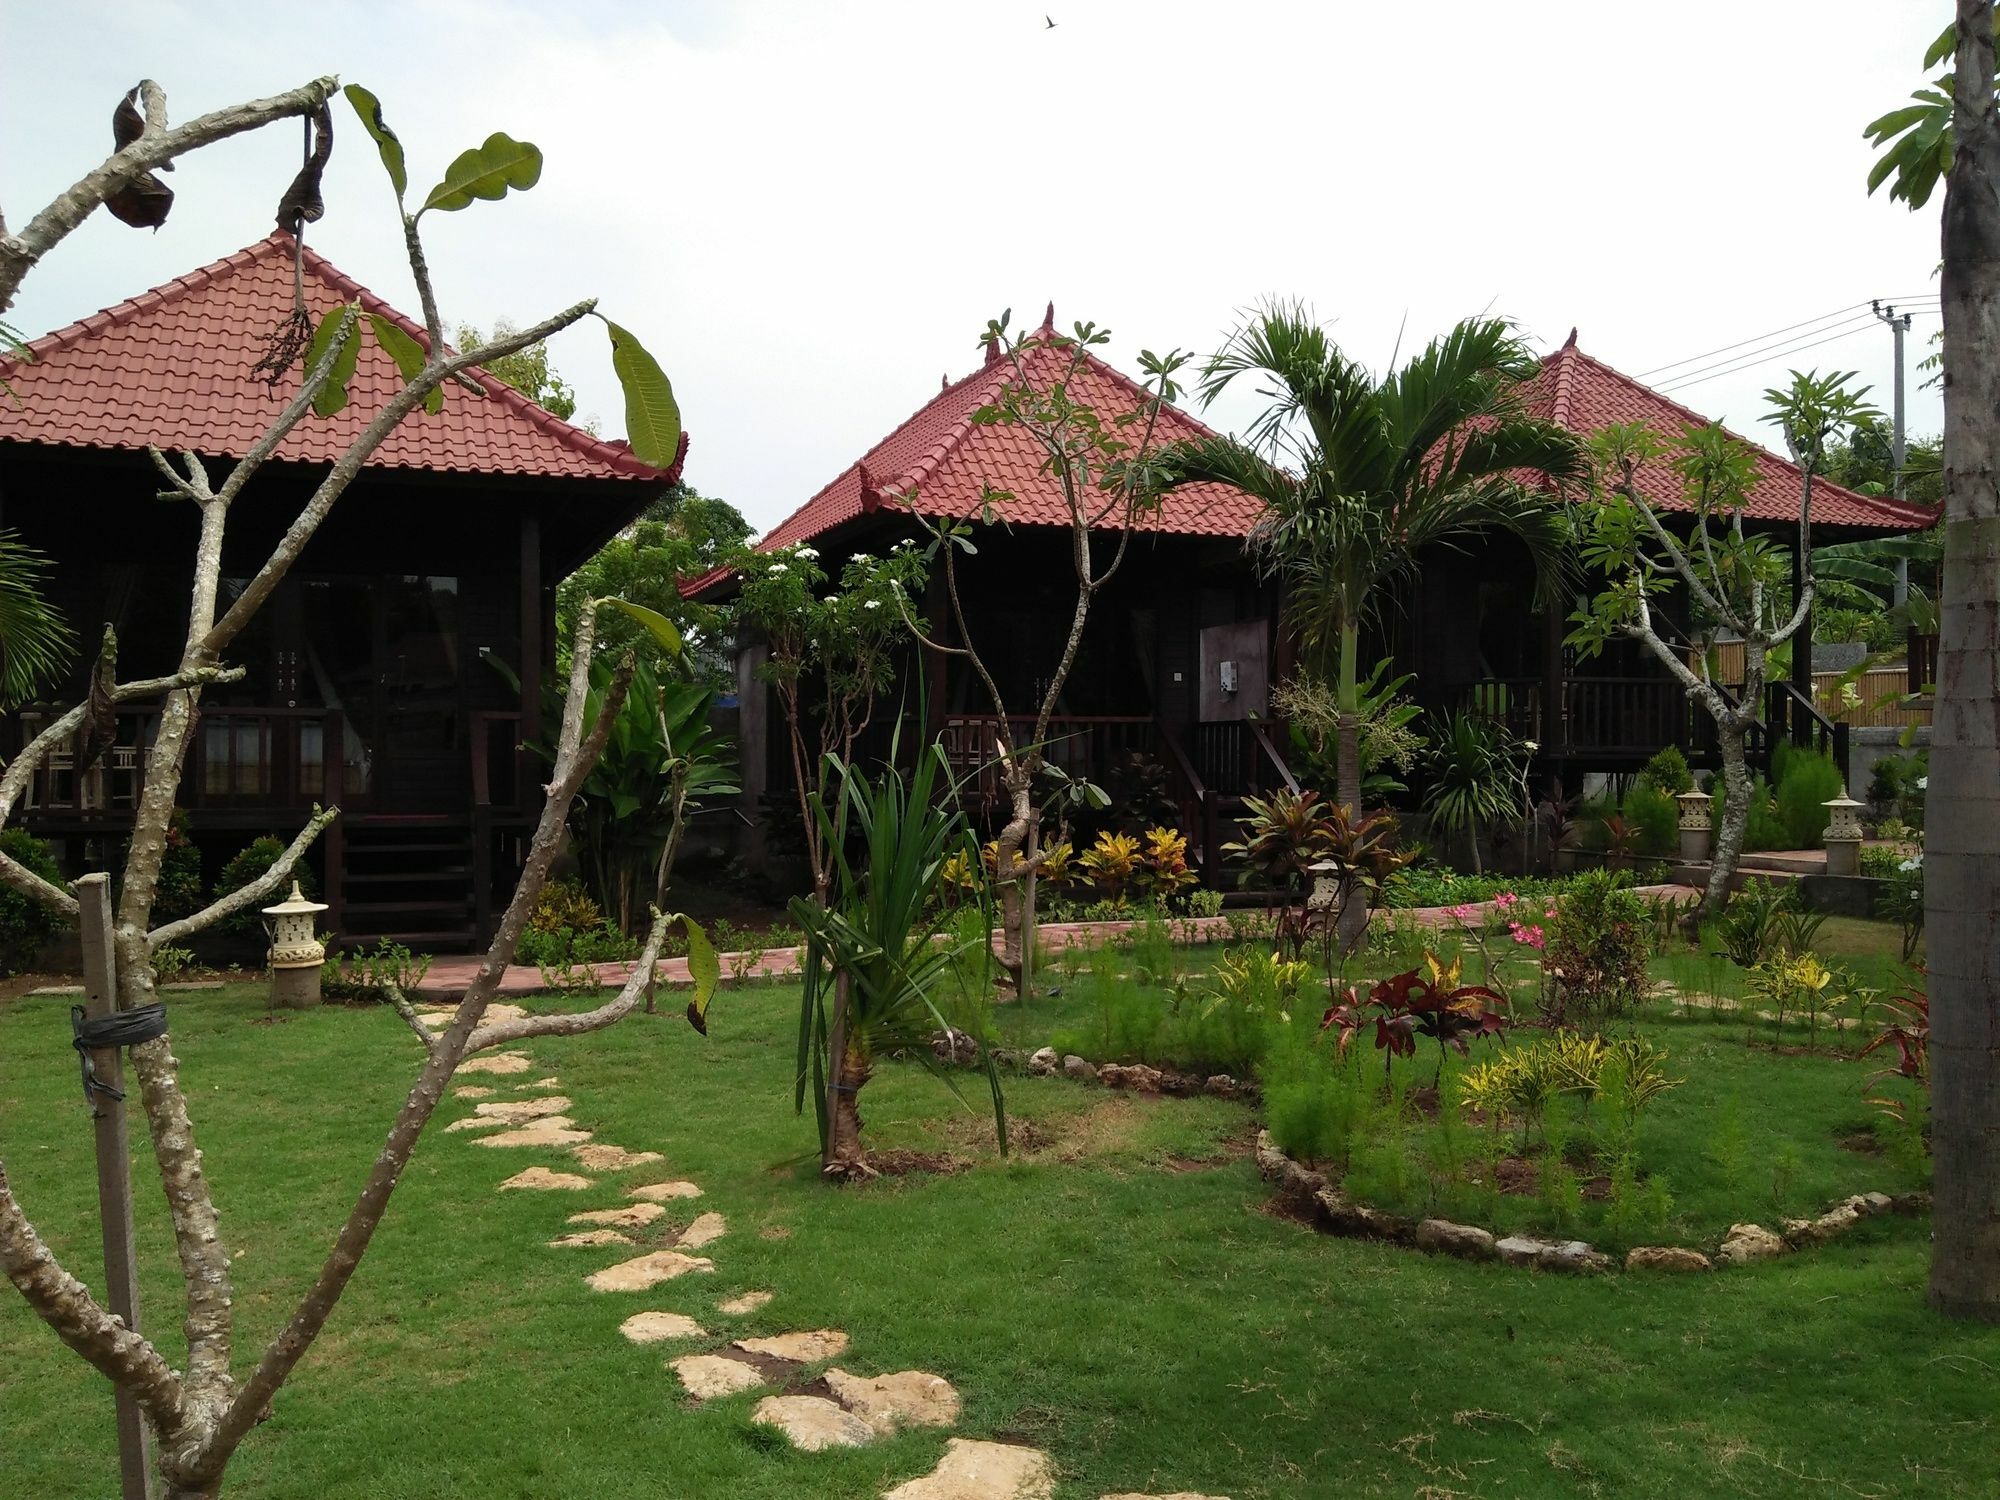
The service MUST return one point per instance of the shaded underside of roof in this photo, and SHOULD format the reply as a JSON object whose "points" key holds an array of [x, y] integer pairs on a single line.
{"points": [[172, 368]]}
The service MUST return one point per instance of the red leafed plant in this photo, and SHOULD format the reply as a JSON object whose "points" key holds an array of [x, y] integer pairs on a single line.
{"points": [[1908, 1030], [1429, 1001]]}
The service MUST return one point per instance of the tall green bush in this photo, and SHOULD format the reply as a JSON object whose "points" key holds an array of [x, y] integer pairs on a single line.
{"points": [[1806, 780], [1652, 810], [250, 862], [25, 923], [1668, 772]]}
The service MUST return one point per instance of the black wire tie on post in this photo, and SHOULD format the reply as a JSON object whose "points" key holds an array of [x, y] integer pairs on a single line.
{"points": [[122, 1028]]}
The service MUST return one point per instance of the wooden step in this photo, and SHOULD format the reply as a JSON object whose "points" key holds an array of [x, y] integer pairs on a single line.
{"points": [[437, 875], [370, 908]]}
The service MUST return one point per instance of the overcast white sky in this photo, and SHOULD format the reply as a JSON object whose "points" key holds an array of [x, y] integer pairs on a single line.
{"points": [[808, 210]]}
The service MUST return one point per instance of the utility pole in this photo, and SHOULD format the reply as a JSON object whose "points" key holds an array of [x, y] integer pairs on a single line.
{"points": [[1899, 324]]}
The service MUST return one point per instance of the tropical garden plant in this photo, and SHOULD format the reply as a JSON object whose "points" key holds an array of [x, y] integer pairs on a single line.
{"points": [[36, 643], [1361, 474], [881, 952], [1474, 768], [1734, 580]]}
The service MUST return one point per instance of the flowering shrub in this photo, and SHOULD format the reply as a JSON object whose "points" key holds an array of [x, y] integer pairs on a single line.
{"points": [[1595, 951]]}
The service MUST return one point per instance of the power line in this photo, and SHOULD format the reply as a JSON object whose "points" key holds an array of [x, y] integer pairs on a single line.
{"points": [[1828, 321], [1761, 359], [1837, 313], [1849, 324]]}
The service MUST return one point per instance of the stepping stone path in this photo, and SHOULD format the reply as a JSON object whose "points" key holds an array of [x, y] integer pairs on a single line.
{"points": [[709, 1376], [602, 1158], [662, 1192], [853, 1411], [799, 1348], [656, 1327], [497, 1062], [647, 1271], [587, 1238], [705, 1230], [812, 1423], [541, 1179], [638, 1216], [982, 1471]]}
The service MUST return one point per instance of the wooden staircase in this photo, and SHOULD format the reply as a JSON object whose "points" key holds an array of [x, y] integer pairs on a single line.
{"points": [[408, 880]]}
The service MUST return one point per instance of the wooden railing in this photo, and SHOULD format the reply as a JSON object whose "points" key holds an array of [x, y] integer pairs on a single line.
{"points": [[1238, 757], [1081, 745], [237, 757]]}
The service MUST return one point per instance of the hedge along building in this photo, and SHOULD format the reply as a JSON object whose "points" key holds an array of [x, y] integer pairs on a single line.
{"points": [[1181, 651], [400, 666]]}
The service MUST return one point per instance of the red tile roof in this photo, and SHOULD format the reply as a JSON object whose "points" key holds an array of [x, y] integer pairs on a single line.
{"points": [[1586, 395], [937, 460], [172, 368]]}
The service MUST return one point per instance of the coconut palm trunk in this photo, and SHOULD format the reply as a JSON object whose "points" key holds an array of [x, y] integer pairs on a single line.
{"points": [[1962, 855]]}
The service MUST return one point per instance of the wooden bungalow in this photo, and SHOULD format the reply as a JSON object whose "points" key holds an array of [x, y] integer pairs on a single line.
{"points": [[1182, 649], [399, 667]]}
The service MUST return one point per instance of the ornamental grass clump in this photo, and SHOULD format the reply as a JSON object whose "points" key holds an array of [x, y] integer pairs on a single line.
{"points": [[1597, 944]]}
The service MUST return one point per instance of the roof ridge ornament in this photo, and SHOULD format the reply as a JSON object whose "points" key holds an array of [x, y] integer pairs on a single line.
{"points": [[1049, 318], [1570, 342]]}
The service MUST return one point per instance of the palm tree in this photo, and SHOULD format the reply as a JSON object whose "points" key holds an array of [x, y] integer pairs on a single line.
{"points": [[1361, 474], [1954, 133], [35, 642]]}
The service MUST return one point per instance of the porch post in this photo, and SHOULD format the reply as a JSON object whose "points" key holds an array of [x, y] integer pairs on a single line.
{"points": [[531, 626], [1553, 731]]}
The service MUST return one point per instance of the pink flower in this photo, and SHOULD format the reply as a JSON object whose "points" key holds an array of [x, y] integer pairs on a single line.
{"points": [[1526, 935], [1505, 900], [1550, 914], [1467, 913]]}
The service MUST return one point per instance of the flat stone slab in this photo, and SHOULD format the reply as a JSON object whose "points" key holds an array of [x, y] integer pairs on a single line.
{"points": [[801, 1348], [588, 1238], [438, 1017], [662, 1192], [634, 1216], [982, 1471], [551, 1130], [646, 1271], [708, 1376], [887, 1403], [474, 1091], [541, 1179], [520, 1111], [705, 1230], [656, 1327], [497, 1062], [812, 1424], [57, 989], [544, 1083], [743, 1306], [185, 986], [473, 1122], [603, 1158]]}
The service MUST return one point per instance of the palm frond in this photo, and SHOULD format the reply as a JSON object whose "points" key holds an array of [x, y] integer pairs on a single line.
{"points": [[36, 644]]}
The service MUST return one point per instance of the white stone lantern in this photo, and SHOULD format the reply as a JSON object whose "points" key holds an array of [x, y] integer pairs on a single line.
{"points": [[1326, 885], [1695, 831], [1843, 835], [296, 950]]}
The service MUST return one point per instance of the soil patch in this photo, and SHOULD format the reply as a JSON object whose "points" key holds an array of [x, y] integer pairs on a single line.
{"points": [[916, 1163], [1517, 1175], [1860, 1142]]}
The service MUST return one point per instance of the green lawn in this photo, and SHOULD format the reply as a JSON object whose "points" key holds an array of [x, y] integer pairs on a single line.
{"points": [[1116, 1294]]}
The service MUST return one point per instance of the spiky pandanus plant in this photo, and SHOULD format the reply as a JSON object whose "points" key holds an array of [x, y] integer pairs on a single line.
{"points": [[881, 950]]}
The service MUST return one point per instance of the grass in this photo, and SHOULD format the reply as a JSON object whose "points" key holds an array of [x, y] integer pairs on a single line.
{"points": [[1116, 1293]]}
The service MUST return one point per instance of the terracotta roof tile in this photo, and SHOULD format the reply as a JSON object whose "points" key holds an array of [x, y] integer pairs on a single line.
{"points": [[171, 368], [1586, 395], [937, 461]]}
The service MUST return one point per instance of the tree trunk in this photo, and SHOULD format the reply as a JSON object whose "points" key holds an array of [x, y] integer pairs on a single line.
{"points": [[1729, 833], [1962, 852], [1352, 923], [1009, 850], [844, 1156]]}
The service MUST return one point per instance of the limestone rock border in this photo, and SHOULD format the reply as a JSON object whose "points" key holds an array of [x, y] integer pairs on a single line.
{"points": [[1332, 1212]]}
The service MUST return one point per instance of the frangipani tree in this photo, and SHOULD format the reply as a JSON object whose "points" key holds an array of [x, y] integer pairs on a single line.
{"points": [[1734, 580], [201, 1412]]}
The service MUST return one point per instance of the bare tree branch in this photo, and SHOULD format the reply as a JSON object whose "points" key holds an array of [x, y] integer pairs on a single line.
{"points": [[502, 1033], [394, 995], [155, 147], [79, 1320], [248, 895]]}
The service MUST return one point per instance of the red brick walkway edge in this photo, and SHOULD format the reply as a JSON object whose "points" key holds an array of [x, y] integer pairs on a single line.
{"points": [[450, 974]]}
